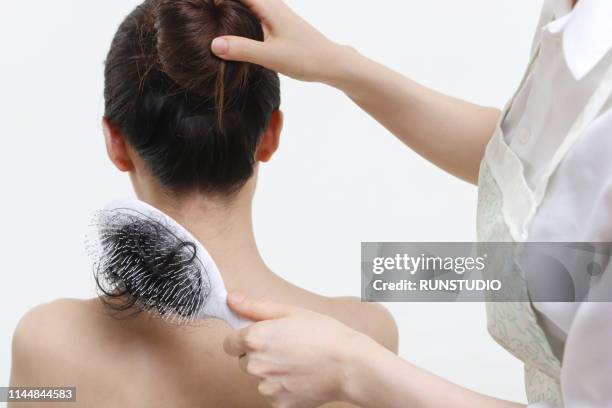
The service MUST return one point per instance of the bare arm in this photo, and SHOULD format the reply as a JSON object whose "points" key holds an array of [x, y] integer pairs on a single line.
{"points": [[384, 380], [449, 132]]}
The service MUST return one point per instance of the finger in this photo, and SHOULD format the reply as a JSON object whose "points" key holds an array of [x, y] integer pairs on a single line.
{"points": [[257, 310], [242, 49], [234, 344]]}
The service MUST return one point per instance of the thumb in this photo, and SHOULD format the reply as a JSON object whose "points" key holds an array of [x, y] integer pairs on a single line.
{"points": [[256, 310], [240, 49]]}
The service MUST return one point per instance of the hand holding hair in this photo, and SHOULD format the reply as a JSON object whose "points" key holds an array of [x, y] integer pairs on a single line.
{"points": [[422, 118], [291, 46]]}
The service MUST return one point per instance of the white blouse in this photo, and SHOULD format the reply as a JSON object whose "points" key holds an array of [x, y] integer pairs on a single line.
{"points": [[574, 53]]}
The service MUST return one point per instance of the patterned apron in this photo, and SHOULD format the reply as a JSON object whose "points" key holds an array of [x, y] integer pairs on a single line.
{"points": [[514, 325]]}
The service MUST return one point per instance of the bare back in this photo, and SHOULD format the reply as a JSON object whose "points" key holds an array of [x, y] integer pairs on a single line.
{"points": [[144, 362]]}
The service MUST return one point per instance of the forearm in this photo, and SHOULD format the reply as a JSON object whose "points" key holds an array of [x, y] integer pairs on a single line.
{"points": [[381, 379], [450, 133]]}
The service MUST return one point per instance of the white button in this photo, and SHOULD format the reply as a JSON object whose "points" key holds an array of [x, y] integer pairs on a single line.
{"points": [[524, 136]]}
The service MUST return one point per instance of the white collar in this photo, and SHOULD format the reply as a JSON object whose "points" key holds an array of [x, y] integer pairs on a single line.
{"points": [[587, 32]]}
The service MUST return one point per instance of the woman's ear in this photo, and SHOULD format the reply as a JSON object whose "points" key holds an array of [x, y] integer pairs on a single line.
{"points": [[116, 147], [271, 138]]}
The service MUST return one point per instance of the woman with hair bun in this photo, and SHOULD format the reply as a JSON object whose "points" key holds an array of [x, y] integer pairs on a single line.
{"points": [[191, 130]]}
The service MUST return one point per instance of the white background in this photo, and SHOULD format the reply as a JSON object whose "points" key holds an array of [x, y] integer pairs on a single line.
{"points": [[339, 178]]}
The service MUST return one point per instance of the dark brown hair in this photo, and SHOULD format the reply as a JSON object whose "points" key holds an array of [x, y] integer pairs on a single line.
{"points": [[194, 119]]}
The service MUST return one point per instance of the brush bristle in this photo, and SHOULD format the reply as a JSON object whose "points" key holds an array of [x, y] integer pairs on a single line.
{"points": [[140, 264]]}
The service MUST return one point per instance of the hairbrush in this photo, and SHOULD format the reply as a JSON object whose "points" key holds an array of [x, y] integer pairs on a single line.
{"points": [[144, 261]]}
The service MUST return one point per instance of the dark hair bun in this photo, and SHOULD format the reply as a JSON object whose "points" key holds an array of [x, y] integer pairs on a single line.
{"points": [[195, 120], [185, 30]]}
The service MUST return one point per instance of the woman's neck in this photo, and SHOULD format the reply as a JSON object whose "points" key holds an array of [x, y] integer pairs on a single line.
{"points": [[226, 231]]}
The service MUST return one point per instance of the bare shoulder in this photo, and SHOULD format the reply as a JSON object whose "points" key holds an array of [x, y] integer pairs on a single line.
{"points": [[372, 319], [49, 323], [46, 340]]}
